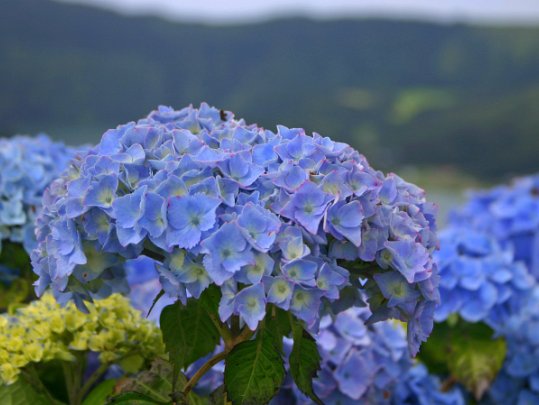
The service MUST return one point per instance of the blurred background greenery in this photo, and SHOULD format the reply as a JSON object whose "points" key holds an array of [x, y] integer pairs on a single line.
{"points": [[446, 105]]}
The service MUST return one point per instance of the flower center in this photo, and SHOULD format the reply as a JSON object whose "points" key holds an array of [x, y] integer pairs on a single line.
{"points": [[227, 253]]}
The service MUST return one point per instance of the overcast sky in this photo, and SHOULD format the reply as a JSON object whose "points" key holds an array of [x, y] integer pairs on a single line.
{"points": [[230, 11]]}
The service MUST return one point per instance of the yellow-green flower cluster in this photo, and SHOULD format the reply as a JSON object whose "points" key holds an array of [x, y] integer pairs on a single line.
{"points": [[44, 331]]}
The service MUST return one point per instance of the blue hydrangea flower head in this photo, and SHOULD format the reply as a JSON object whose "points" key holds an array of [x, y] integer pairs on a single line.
{"points": [[360, 363], [269, 217], [418, 387], [510, 214], [479, 279], [518, 381], [29, 165]]}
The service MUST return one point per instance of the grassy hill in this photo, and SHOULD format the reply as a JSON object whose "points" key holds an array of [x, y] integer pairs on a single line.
{"points": [[403, 92]]}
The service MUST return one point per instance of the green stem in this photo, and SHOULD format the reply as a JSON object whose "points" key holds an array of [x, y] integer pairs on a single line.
{"points": [[69, 379], [224, 331], [244, 335], [73, 373], [203, 370], [32, 377], [96, 375], [235, 325], [152, 392], [153, 255]]}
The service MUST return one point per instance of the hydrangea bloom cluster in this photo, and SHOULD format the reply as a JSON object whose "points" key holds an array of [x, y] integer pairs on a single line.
{"points": [[511, 215], [360, 363], [479, 279], [43, 331], [418, 387], [28, 165], [267, 216], [518, 382]]}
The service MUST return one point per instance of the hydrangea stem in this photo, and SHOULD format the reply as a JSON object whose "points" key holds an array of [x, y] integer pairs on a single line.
{"points": [[203, 370], [243, 336], [72, 381], [32, 377], [93, 379], [223, 329], [153, 255]]}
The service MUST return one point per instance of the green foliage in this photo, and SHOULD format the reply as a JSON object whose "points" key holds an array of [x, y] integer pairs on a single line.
{"points": [[304, 361], [22, 393], [466, 352], [188, 331], [278, 322], [410, 103], [100, 393], [14, 256], [155, 385], [422, 74], [254, 370], [219, 396], [134, 398], [155, 300]]}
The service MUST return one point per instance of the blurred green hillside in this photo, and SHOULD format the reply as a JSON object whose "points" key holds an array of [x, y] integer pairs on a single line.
{"points": [[404, 93]]}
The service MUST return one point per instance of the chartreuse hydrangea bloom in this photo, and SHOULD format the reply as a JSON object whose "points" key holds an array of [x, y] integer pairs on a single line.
{"points": [[280, 220], [43, 331]]}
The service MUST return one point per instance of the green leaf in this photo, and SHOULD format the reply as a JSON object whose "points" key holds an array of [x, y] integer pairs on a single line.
{"points": [[476, 363], [13, 255], [155, 300], [19, 290], [21, 393], [304, 361], [254, 371], [100, 393], [188, 332], [132, 364], [219, 396], [210, 299], [466, 351], [277, 325]]}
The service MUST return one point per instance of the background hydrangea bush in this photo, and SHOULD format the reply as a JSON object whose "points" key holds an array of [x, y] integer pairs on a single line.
{"points": [[253, 230], [510, 214], [28, 165], [489, 293]]}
